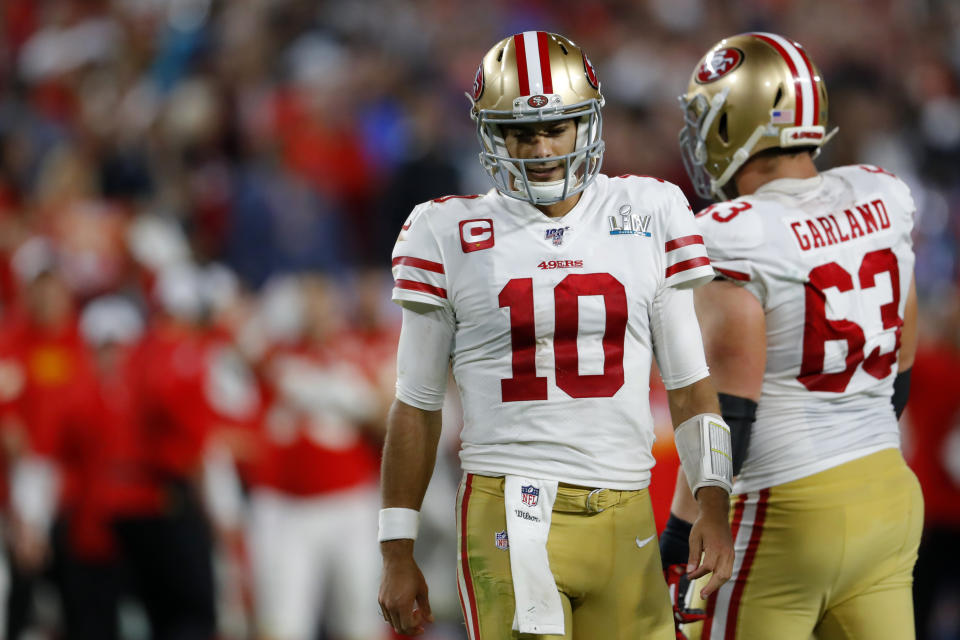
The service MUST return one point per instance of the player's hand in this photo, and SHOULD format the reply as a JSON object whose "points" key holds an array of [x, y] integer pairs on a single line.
{"points": [[403, 591], [711, 546]]}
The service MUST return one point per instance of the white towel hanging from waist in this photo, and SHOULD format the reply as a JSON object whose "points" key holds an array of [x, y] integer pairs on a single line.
{"points": [[529, 506]]}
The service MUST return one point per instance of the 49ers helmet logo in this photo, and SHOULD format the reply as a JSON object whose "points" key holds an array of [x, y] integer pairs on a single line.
{"points": [[719, 64], [478, 83], [537, 101], [591, 72]]}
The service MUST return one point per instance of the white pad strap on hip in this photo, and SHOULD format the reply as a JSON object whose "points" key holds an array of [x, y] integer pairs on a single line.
{"points": [[529, 506], [703, 443]]}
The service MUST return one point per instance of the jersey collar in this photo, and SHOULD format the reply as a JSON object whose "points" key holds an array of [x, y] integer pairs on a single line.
{"points": [[791, 186], [530, 213]]}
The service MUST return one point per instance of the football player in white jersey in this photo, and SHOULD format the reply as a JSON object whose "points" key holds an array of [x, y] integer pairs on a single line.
{"points": [[810, 332], [550, 295]]}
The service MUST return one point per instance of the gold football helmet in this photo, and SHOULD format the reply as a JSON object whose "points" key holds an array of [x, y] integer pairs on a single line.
{"points": [[537, 76], [750, 92]]}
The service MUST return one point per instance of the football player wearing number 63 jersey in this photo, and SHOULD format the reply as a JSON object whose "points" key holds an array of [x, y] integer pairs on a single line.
{"points": [[550, 295], [810, 332]]}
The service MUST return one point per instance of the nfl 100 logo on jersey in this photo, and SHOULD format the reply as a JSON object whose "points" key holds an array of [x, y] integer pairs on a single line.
{"points": [[529, 495], [556, 235], [628, 223]]}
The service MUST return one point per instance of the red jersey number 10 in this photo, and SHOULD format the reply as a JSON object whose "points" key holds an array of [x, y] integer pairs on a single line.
{"points": [[525, 384]]}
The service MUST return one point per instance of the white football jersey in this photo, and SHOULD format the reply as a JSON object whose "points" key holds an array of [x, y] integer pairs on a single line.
{"points": [[552, 346], [830, 259]]}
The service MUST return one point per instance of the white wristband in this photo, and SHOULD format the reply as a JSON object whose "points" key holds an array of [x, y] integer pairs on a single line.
{"points": [[398, 524], [703, 443]]}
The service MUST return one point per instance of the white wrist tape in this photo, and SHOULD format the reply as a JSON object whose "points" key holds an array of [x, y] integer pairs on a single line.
{"points": [[398, 524], [703, 443]]}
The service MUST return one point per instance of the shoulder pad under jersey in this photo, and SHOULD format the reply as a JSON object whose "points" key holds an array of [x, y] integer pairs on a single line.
{"points": [[732, 226], [870, 178]]}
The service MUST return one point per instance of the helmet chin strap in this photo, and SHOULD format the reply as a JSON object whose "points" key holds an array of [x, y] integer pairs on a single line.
{"points": [[545, 192], [740, 156]]}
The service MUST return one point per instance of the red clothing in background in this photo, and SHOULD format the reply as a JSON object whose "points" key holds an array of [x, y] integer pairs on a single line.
{"points": [[330, 156], [56, 408], [130, 486], [933, 417], [186, 389], [174, 418], [306, 453]]}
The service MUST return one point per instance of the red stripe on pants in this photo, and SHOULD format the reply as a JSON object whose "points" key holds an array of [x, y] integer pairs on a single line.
{"points": [[748, 559], [467, 580], [734, 530]]}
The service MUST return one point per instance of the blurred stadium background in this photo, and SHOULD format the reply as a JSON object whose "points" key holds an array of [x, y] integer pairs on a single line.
{"points": [[198, 200]]}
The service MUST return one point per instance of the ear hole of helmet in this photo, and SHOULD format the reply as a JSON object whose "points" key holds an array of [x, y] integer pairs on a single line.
{"points": [[500, 55], [563, 48], [778, 97], [722, 129]]}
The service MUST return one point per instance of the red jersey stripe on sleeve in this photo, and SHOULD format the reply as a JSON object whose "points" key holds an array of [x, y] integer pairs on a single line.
{"points": [[413, 285], [676, 243], [686, 265], [733, 275], [419, 263]]}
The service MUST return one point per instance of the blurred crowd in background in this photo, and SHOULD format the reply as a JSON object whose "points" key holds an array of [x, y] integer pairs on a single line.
{"points": [[198, 201]]}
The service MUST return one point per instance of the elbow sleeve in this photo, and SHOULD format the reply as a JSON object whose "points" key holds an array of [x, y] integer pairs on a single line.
{"points": [[901, 392], [423, 355], [739, 414], [677, 343]]}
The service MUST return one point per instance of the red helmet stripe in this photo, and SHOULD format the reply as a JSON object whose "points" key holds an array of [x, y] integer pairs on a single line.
{"points": [[808, 100], [521, 64], [542, 43], [813, 85], [533, 63], [798, 120]]}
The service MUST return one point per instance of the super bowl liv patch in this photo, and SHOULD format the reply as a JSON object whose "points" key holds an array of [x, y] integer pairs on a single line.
{"points": [[628, 223]]}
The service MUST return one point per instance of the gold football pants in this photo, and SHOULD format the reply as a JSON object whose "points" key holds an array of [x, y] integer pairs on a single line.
{"points": [[829, 556], [603, 554]]}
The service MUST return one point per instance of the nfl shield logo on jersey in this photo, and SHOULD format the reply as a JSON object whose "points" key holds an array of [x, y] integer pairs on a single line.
{"points": [[530, 495], [500, 539]]}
